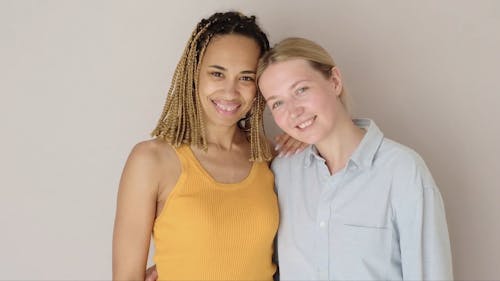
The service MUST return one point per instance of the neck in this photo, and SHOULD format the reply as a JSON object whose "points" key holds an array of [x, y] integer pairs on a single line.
{"points": [[224, 138], [340, 144]]}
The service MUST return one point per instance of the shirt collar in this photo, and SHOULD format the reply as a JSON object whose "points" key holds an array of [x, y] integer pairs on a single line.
{"points": [[365, 152], [310, 154]]}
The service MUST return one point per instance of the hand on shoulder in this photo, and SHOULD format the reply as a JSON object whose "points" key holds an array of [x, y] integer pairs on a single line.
{"points": [[286, 146]]}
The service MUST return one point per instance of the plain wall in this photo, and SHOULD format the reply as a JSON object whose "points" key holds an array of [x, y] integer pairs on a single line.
{"points": [[82, 81]]}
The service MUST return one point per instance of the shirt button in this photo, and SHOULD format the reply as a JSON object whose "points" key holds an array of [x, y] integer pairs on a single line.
{"points": [[322, 224]]}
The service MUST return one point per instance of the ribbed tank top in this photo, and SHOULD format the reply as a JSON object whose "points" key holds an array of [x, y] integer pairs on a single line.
{"points": [[214, 231]]}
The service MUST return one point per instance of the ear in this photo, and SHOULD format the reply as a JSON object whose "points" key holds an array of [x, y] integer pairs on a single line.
{"points": [[336, 80]]}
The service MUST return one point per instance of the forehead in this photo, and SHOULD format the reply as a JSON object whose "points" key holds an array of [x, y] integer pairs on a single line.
{"points": [[293, 65], [284, 73], [232, 49]]}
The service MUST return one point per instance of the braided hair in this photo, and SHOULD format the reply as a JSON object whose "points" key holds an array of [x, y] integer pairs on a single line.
{"points": [[181, 121]]}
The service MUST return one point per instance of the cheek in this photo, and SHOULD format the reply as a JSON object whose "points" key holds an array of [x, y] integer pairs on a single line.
{"points": [[250, 92], [279, 119], [323, 103], [206, 86]]}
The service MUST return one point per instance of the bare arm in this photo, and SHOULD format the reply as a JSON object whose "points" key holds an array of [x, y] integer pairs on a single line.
{"points": [[135, 213]]}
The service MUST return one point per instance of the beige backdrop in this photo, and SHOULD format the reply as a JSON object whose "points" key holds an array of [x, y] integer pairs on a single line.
{"points": [[82, 81]]}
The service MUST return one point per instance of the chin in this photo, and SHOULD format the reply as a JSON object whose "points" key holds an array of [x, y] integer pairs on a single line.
{"points": [[308, 139], [301, 138]]}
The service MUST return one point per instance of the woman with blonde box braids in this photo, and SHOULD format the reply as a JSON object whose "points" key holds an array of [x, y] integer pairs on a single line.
{"points": [[203, 186]]}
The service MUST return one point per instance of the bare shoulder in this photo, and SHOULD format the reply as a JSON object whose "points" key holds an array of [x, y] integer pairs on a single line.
{"points": [[137, 200], [154, 150], [152, 160]]}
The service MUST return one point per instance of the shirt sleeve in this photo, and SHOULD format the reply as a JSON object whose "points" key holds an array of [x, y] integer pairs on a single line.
{"points": [[423, 232]]}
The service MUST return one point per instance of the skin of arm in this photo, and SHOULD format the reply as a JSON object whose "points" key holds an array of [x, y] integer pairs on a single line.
{"points": [[136, 211]]}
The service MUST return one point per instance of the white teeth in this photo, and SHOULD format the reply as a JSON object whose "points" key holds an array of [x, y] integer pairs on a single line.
{"points": [[306, 124], [226, 107]]}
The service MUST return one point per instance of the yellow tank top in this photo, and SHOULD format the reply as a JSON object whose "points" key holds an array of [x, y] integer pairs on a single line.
{"points": [[214, 231]]}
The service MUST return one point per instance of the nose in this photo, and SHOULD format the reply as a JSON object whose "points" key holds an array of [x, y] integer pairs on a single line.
{"points": [[231, 88], [295, 109]]}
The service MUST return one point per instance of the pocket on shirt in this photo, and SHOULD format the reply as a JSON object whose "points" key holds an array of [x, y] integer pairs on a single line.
{"points": [[361, 233], [365, 225], [369, 224], [367, 239], [361, 251]]}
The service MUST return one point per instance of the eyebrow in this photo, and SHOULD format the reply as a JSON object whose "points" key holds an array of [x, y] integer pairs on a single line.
{"points": [[225, 69], [296, 83], [291, 87], [270, 98]]}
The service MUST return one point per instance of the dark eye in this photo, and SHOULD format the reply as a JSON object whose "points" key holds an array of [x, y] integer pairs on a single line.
{"points": [[247, 78], [276, 104], [216, 74]]}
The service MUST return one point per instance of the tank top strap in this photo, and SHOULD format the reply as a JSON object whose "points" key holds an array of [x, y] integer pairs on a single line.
{"points": [[182, 153]]}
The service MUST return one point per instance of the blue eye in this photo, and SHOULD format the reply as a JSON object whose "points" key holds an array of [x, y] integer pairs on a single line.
{"points": [[301, 90], [276, 104]]}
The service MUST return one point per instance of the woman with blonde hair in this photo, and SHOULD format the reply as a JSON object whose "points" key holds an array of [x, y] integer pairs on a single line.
{"points": [[354, 205]]}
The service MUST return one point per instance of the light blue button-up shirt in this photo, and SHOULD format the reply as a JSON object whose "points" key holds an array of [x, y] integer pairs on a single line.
{"points": [[380, 218]]}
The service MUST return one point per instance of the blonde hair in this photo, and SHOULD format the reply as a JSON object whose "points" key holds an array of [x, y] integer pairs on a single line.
{"points": [[300, 48], [181, 121]]}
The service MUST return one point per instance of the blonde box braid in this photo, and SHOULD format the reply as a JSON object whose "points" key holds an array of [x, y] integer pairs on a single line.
{"points": [[181, 121]]}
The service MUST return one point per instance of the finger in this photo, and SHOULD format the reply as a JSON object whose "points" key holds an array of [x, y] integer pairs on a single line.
{"points": [[288, 147], [280, 140], [151, 274], [297, 146], [302, 147], [293, 147]]}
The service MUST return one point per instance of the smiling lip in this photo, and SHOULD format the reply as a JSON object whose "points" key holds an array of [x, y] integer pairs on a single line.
{"points": [[303, 125], [226, 107]]}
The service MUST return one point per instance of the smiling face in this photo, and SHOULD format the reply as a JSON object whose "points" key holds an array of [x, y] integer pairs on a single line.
{"points": [[227, 79], [303, 102]]}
